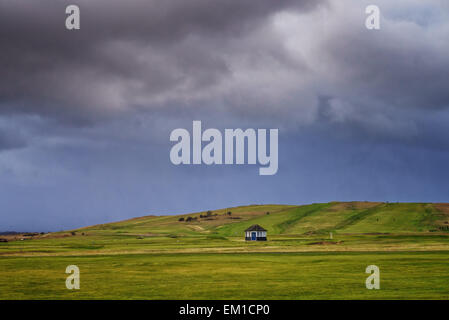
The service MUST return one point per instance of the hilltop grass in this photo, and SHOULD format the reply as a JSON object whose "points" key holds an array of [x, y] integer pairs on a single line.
{"points": [[395, 218], [160, 257]]}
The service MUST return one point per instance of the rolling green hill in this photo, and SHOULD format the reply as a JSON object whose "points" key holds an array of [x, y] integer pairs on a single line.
{"points": [[337, 217], [204, 255]]}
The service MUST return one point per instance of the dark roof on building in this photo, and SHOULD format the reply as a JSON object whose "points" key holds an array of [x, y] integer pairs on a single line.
{"points": [[255, 227]]}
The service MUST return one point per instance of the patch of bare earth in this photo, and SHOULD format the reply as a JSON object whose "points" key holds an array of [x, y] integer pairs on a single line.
{"points": [[325, 243], [443, 216], [353, 205]]}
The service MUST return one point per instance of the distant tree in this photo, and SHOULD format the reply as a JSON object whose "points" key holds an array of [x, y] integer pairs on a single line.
{"points": [[181, 219], [189, 219], [229, 213], [209, 213], [268, 212], [73, 233]]}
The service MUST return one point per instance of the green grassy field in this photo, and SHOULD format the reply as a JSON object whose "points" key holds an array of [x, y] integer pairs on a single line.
{"points": [[160, 257]]}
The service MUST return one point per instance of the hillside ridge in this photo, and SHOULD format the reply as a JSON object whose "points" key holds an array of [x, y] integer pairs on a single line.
{"points": [[339, 217]]}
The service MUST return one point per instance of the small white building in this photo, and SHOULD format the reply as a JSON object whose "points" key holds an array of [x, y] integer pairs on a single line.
{"points": [[255, 233]]}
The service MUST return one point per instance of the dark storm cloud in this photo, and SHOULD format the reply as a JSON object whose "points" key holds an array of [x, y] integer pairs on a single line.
{"points": [[127, 54], [85, 115], [265, 59], [380, 84], [403, 68]]}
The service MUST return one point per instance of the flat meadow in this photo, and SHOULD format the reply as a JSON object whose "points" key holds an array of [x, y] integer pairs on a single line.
{"points": [[165, 257]]}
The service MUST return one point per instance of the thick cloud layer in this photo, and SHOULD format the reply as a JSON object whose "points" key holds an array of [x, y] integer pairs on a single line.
{"points": [[126, 55], [85, 115], [245, 55]]}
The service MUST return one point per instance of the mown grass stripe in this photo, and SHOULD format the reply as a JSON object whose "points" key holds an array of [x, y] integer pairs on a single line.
{"points": [[359, 216]]}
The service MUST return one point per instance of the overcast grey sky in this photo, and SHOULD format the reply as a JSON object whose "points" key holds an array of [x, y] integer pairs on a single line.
{"points": [[86, 115]]}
